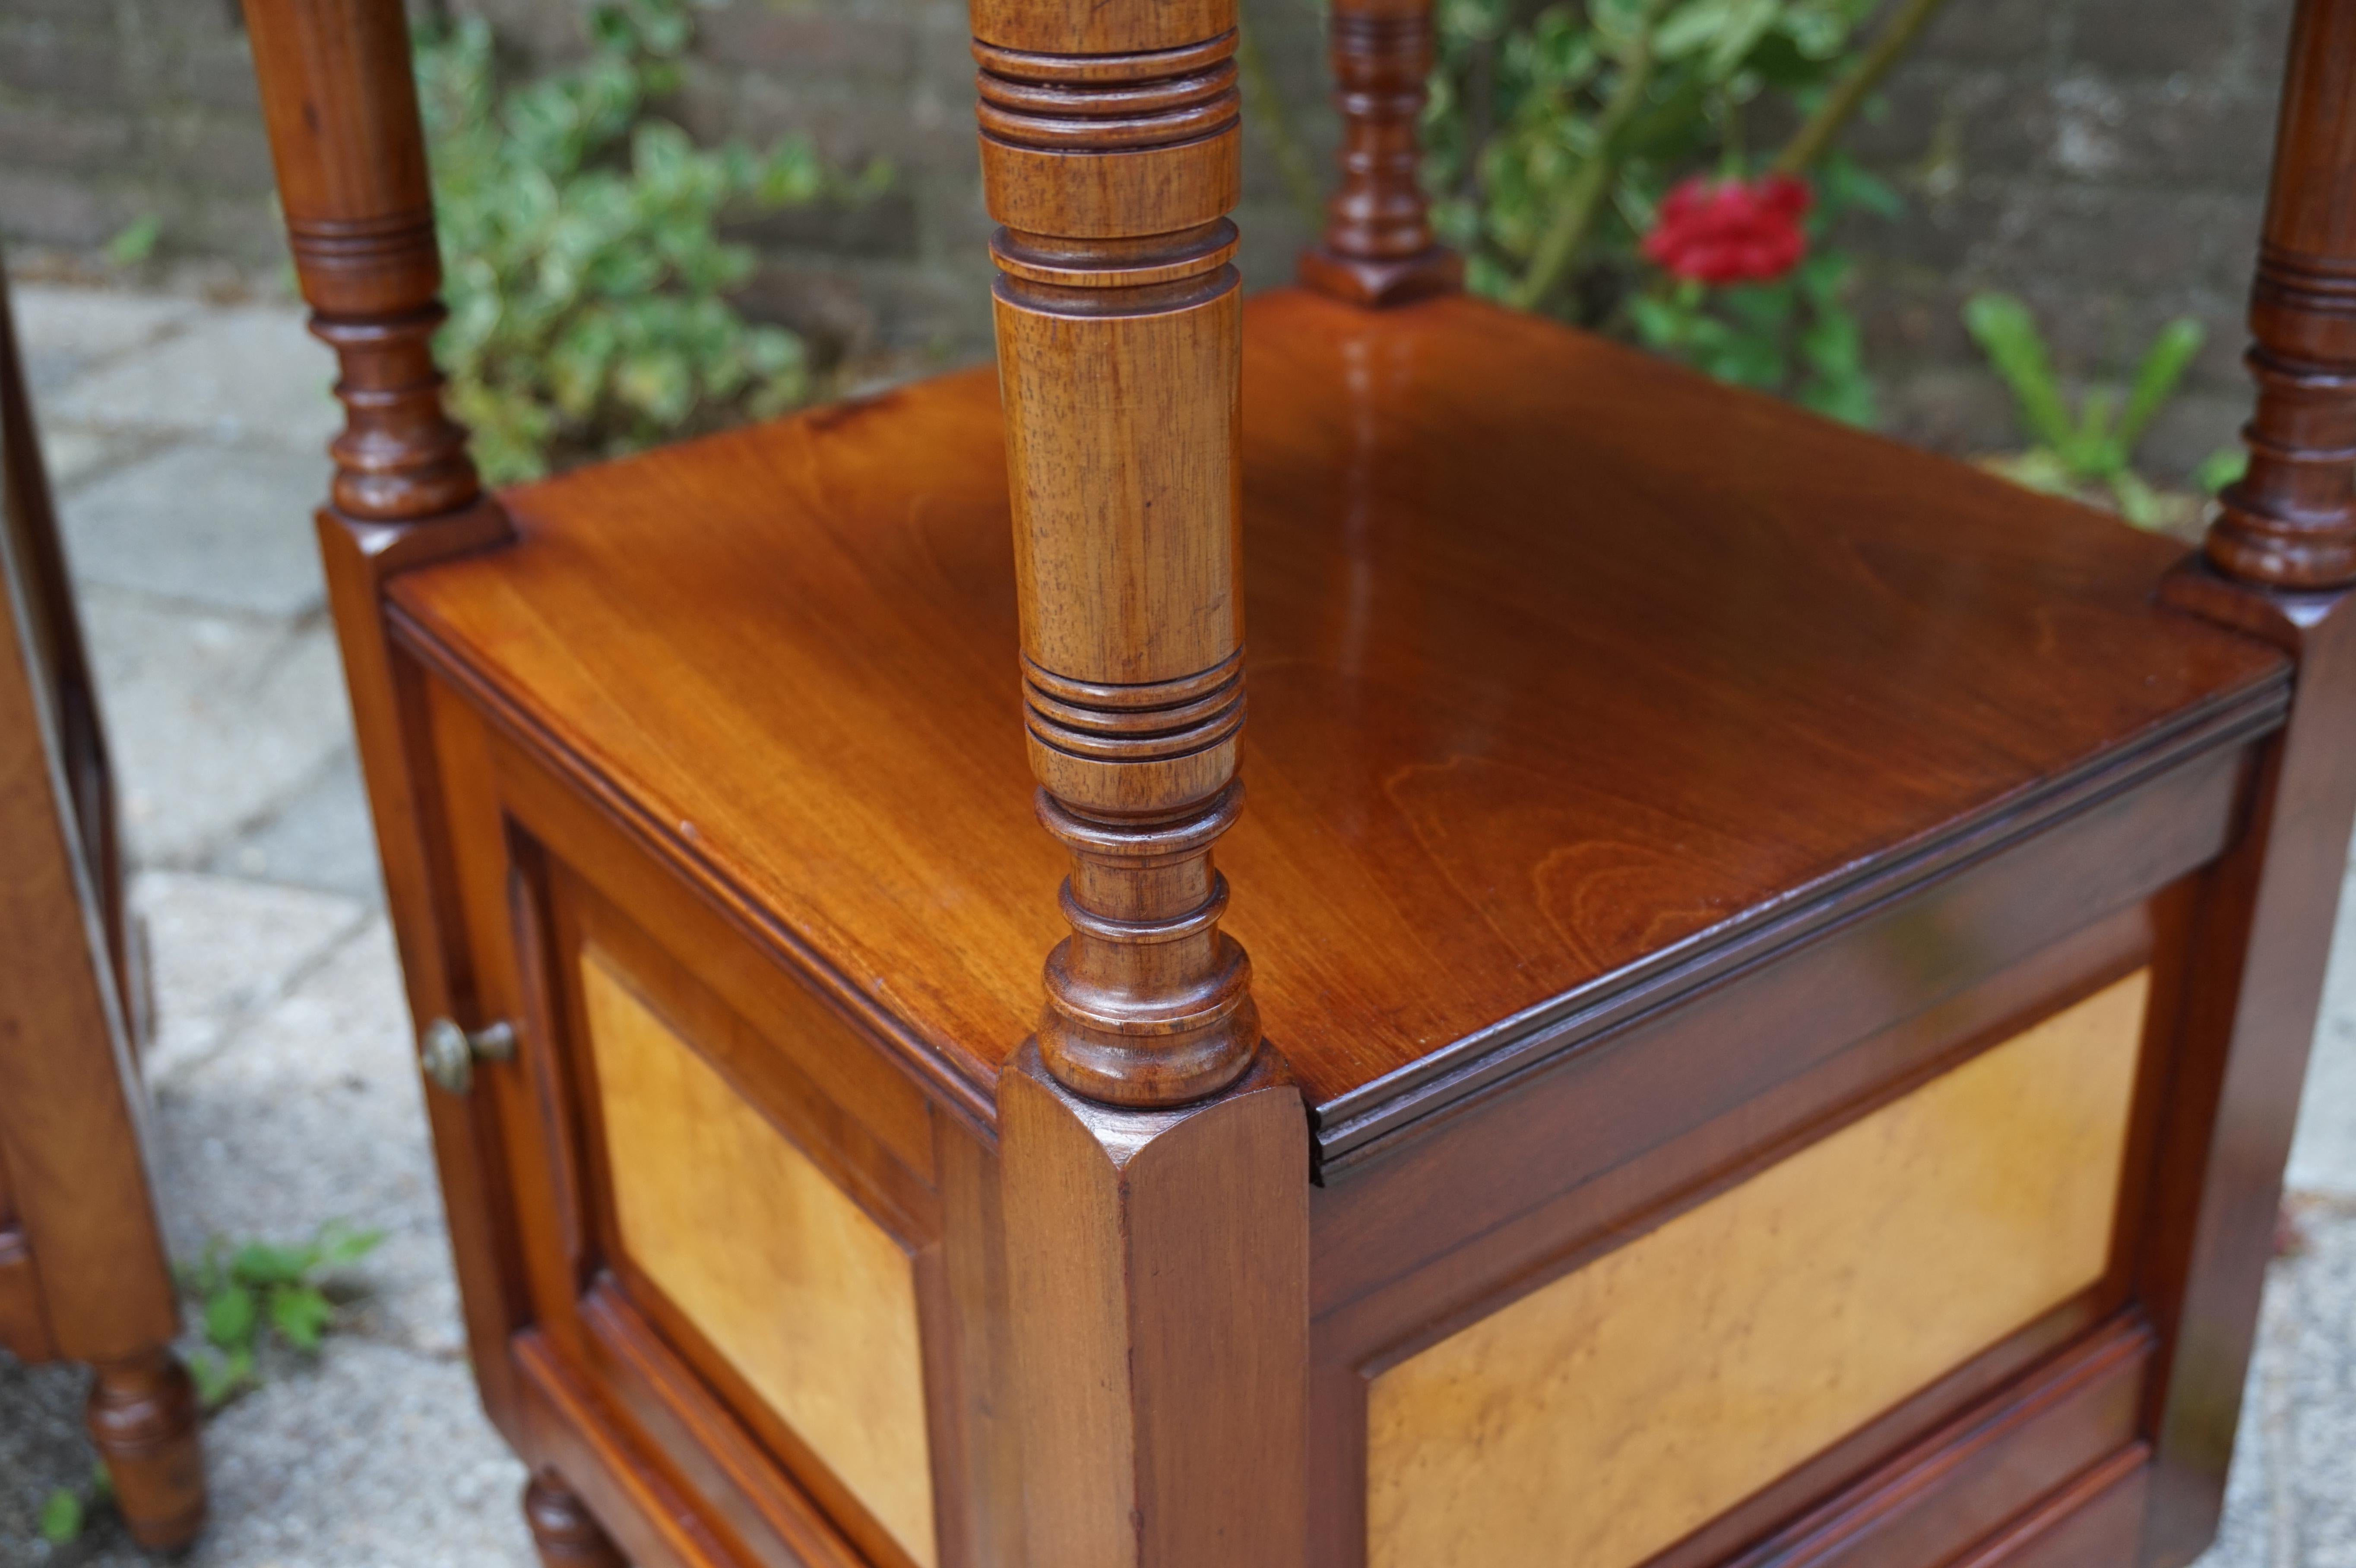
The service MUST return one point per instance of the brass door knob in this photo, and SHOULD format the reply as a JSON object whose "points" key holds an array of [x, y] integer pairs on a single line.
{"points": [[449, 1053]]}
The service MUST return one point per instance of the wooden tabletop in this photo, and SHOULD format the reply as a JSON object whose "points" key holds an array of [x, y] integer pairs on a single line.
{"points": [[1564, 664]]}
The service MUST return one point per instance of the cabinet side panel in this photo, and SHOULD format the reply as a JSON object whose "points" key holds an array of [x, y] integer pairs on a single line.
{"points": [[1606, 1416]]}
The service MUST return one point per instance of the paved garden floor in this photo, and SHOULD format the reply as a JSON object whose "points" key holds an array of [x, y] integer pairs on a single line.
{"points": [[185, 438]]}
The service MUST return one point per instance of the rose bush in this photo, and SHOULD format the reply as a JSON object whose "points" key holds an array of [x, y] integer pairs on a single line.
{"points": [[1731, 230]]}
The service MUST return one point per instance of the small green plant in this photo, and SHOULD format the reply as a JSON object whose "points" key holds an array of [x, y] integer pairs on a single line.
{"points": [[587, 281], [136, 242], [66, 1512], [2095, 449], [246, 1290]]}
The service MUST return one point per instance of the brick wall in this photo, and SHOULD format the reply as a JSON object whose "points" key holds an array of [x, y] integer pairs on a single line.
{"points": [[2104, 158]]}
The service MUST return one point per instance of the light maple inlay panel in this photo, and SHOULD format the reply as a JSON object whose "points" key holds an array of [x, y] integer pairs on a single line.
{"points": [[1608, 1414], [810, 1301]]}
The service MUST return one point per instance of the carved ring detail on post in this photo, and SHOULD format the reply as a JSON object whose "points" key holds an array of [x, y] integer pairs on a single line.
{"points": [[1119, 325], [2290, 522], [1379, 248]]}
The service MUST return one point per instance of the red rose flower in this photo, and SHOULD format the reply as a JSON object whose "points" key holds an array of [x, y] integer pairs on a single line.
{"points": [[1731, 232]]}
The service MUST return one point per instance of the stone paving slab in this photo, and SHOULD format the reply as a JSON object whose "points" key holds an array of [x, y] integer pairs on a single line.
{"points": [[318, 837], [2323, 1155], [283, 1096], [63, 333], [213, 524], [244, 373], [223, 951], [215, 719]]}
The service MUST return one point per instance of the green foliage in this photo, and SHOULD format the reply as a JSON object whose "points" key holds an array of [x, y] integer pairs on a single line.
{"points": [[1556, 131], [136, 242], [65, 1513], [241, 1291], [586, 278], [2093, 448], [61, 1517]]}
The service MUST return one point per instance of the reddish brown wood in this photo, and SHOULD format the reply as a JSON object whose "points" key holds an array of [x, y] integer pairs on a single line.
{"points": [[2280, 553], [1622, 824], [340, 105], [1817, 658], [342, 113], [1109, 145], [142, 1420], [2291, 522], [84, 1273], [1379, 248], [1157, 1288], [564, 1531]]}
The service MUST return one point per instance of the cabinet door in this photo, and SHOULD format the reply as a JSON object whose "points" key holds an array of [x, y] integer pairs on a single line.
{"points": [[754, 1252]]}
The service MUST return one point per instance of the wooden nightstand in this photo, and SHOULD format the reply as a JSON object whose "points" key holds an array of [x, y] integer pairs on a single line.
{"points": [[1779, 966]]}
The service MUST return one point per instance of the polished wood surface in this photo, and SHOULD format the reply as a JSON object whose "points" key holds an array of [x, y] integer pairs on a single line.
{"points": [[810, 1300], [2290, 522], [2278, 553], [340, 104], [1649, 781], [83, 1272], [350, 157], [1815, 656], [1158, 1300], [1110, 152], [1379, 248], [1686, 1370]]}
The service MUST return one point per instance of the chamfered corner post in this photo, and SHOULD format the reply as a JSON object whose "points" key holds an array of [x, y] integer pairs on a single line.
{"points": [[1154, 1152], [1379, 248], [2278, 561], [339, 102]]}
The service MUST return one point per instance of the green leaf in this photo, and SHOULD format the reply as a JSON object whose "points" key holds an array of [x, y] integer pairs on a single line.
{"points": [[2163, 366], [340, 1242], [230, 1317], [2007, 334], [260, 1265], [2138, 503], [136, 242], [301, 1314], [61, 1518], [219, 1378], [2221, 468]]}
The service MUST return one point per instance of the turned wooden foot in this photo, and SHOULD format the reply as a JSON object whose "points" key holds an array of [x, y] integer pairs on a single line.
{"points": [[562, 1528], [143, 1418]]}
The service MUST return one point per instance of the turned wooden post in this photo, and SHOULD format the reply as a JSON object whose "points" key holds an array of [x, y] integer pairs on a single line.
{"points": [[340, 104], [2279, 557], [2291, 521], [1111, 146], [342, 112], [1155, 1156], [1379, 248]]}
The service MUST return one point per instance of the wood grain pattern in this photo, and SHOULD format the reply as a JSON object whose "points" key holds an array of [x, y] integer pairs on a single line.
{"points": [[82, 1267], [1112, 163], [1680, 1373], [806, 1295], [2278, 555], [1812, 658], [1158, 1303]]}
